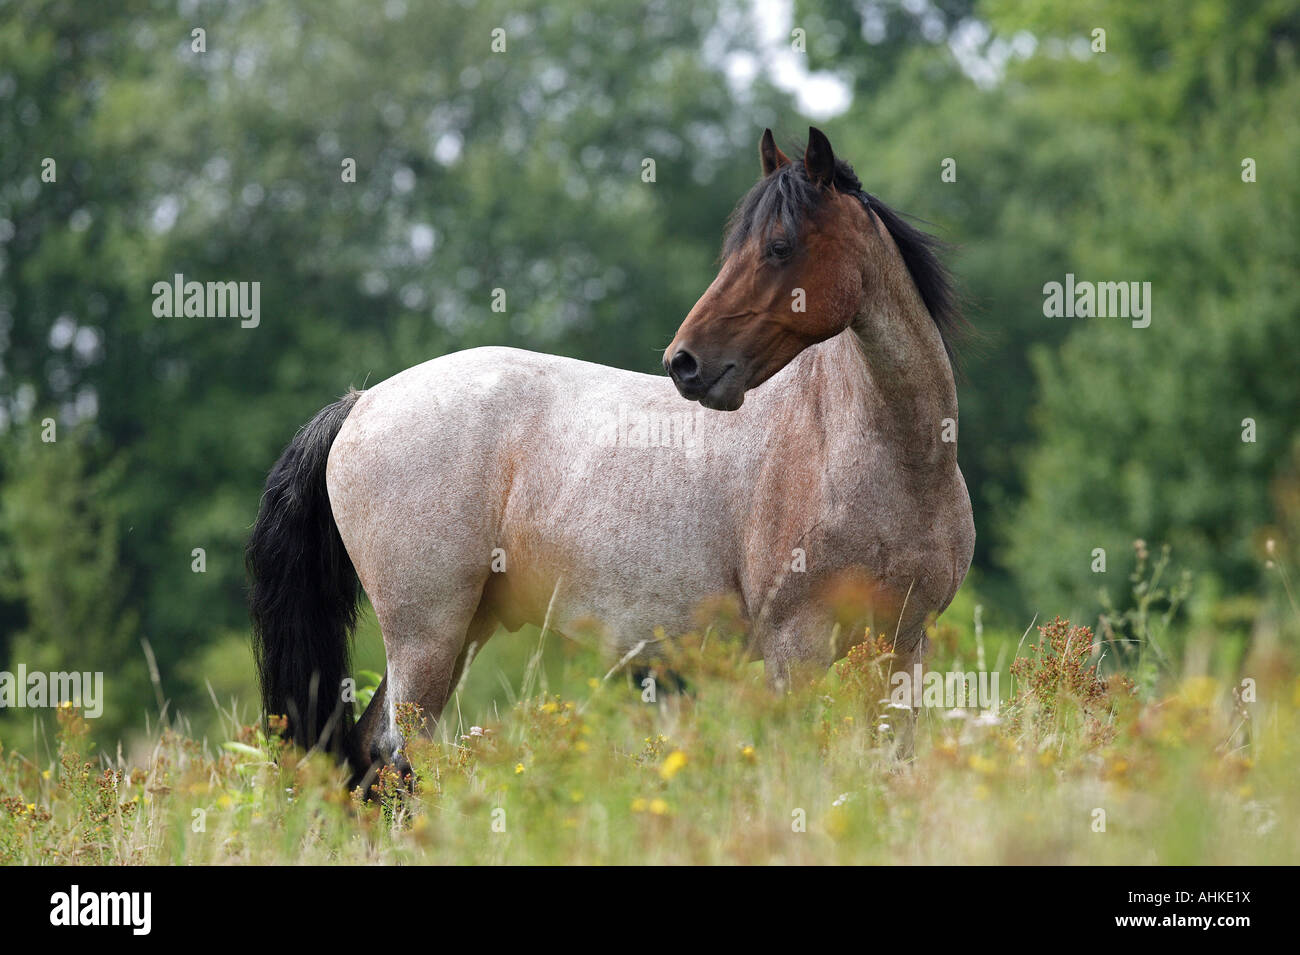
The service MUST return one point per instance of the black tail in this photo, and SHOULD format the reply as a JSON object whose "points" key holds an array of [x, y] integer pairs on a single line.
{"points": [[304, 591]]}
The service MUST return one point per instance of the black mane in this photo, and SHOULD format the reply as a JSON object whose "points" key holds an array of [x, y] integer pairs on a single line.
{"points": [[784, 199]]}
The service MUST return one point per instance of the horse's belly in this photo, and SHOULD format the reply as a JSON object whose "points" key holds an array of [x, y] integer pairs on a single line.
{"points": [[601, 589]]}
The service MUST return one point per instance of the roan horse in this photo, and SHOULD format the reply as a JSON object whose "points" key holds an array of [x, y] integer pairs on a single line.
{"points": [[487, 488]]}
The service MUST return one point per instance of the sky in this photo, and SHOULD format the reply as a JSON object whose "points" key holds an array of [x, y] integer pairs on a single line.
{"points": [[820, 95], [823, 95]]}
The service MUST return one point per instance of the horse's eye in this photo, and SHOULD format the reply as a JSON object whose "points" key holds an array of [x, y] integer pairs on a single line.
{"points": [[779, 249]]}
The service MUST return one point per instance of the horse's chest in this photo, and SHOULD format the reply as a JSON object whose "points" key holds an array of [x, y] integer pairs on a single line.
{"points": [[895, 546]]}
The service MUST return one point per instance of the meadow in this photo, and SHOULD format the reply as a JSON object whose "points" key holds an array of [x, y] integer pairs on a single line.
{"points": [[546, 757]]}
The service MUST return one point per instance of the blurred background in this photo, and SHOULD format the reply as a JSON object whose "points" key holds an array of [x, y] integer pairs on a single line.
{"points": [[522, 170]]}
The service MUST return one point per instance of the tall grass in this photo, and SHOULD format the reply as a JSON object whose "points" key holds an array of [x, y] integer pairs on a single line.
{"points": [[569, 764]]}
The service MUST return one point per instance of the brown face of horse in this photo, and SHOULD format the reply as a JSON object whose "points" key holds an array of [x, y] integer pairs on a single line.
{"points": [[789, 282]]}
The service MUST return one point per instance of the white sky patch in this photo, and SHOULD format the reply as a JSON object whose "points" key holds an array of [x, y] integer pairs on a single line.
{"points": [[422, 240], [164, 215], [984, 57], [85, 407], [403, 180], [447, 149], [62, 332], [819, 95], [823, 95], [86, 343]]}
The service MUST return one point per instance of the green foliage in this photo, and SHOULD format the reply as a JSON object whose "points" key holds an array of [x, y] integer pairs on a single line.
{"points": [[1140, 431], [62, 531]]}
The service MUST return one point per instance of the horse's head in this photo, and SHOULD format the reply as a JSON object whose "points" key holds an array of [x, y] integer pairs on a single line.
{"points": [[791, 276]]}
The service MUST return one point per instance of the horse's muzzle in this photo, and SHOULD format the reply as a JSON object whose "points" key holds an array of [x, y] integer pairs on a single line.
{"points": [[718, 392], [685, 371]]}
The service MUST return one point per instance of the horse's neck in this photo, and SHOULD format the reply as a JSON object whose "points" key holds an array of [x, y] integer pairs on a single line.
{"points": [[888, 381]]}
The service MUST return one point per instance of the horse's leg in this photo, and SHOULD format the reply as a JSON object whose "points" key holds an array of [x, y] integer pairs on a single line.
{"points": [[365, 736], [909, 654], [371, 746], [798, 647], [481, 628], [801, 647], [425, 641]]}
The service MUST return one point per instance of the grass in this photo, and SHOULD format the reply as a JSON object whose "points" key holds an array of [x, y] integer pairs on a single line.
{"points": [[1075, 768]]}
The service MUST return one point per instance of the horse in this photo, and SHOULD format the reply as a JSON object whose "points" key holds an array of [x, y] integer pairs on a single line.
{"points": [[492, 488]]}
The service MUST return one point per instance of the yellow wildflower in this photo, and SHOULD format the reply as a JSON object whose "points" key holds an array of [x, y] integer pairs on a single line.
{"points": [[673, 764]]}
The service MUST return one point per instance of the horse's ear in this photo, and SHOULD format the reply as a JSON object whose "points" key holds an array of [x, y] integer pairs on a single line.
{"points": [[769, 155], [819, 158]]}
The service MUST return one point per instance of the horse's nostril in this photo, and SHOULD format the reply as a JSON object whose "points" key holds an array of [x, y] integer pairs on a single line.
{"points": [[683, 366]]}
